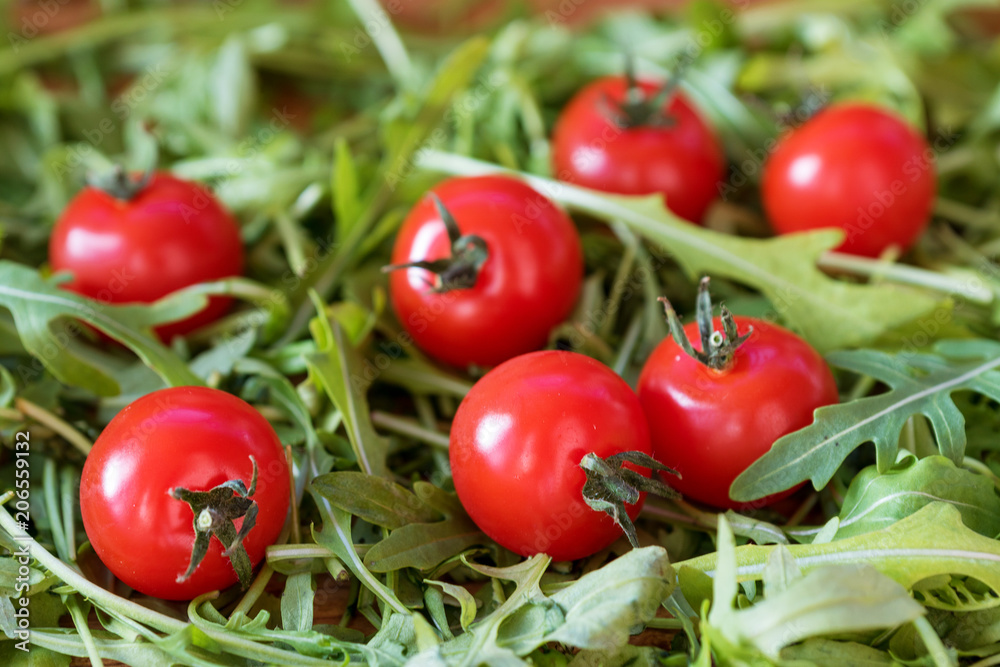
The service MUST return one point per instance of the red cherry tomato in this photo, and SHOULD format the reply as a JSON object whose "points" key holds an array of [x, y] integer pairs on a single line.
{"points": [[856, 167], [711, 425], [169, 235], [681, 159], [516, 445], [193, 438], [527, 285]]}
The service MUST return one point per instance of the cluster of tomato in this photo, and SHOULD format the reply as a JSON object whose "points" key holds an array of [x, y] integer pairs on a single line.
{"points": [[483, 269]]}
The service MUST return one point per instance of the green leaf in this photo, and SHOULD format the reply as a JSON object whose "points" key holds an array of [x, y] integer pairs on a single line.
{"points": [[604, 607], [297, 602], [831, 653], [759, 531], [424, 545], [829, 313], [373, 499], [920, 384], [623, 656], [336, 368], [234, 88], [465, 601], [481, 641], [335, 535], [975, 629], [930, 542], [780, 572], [829, 599], [36, 656], [875, 501], [347, 205], [38, 306]]}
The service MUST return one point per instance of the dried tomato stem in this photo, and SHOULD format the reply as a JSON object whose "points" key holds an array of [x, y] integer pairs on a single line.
{"points": [[214, 513], [638, 109], [117, 183], [610, 485], [717, 347], [468, 254]]}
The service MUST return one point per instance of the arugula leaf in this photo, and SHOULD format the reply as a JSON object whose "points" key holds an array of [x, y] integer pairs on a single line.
{"points": [[466, 602], [603, 607], [37, 305], [830, 599], [875, 501], [832, 653], [920, 384], [424, 545], [930, 542], [830, 314], [336, 368], [374, 499], [297, 602]]}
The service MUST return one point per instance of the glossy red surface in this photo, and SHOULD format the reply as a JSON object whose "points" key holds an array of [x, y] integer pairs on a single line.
{"points": [[528, 284], [172, 234], [711, 425], [855, 167], [517, 441], [683, 161], [189, 437]]}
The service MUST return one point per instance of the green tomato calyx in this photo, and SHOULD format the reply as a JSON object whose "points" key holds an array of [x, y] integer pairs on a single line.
{"points": [[639, 109], [610, 485], [468, 255], [214, 514], [718, 348], [118, 184]]}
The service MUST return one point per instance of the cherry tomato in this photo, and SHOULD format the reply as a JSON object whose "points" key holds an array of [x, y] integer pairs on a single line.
{"points": [[517, 441], [856, 167], [599, 144], [711, 425], [168, 235], [192, 438], [528, 283]]}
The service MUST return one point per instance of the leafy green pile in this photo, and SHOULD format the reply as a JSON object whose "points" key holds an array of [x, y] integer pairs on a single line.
{"points": [[320, 133]]}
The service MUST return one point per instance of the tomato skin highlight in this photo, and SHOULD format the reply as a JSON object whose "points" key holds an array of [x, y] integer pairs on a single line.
{"points": [[188, 437], [170, 235], [517, 441], [856, 167], [527, 286], [711, 425], [683, 161]]}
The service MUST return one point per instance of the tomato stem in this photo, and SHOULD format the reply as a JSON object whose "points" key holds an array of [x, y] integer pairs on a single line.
{"points": [[214, 514], [610, 485], [638, 109], [117, 183], [468, 254], [717, 347]]}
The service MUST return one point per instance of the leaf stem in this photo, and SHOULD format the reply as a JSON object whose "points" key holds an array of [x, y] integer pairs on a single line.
{"points": [[409, 427], [50, 488], [57, 424], [80, 621], [298, 552], [255, 590], [933, 644], [906, 275], [387, 41], [68, 493], [84, 586]]}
